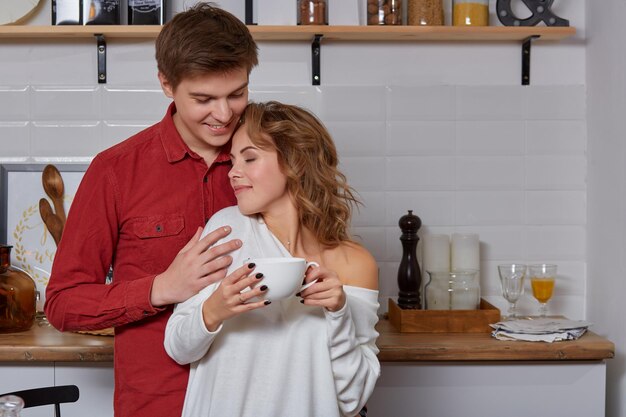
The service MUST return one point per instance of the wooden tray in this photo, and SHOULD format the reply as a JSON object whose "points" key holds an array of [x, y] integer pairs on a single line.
{"points": [[444, 321]]}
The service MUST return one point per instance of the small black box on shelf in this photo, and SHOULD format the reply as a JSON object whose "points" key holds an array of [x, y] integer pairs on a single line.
{"points": [[67, 12]]}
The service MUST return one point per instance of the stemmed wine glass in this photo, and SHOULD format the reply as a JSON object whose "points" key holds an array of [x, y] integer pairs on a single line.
{"points": [[542, 282], [512, 282]]}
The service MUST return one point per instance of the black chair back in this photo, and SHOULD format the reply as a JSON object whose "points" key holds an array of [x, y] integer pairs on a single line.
{"points": [[48, 396]]}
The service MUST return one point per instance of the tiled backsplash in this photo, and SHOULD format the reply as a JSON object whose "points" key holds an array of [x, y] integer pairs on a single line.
{"points": [[506, 162], [443, 129]]}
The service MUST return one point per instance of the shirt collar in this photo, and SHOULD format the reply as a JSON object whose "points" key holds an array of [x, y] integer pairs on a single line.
{"points": [[175, 147]]}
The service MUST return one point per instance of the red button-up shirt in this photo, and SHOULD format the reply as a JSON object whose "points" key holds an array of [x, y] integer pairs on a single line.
{"points": [[138, 204]]}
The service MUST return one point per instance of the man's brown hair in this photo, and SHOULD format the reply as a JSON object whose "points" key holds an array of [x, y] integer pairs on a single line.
{"points": [[203, 40]]}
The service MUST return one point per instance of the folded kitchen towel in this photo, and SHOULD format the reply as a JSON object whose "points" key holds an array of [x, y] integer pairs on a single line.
{"points": [[540, 329]]}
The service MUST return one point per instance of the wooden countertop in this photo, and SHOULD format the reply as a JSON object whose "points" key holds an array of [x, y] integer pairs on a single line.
{"points": [[46, 344], [410, 347]]}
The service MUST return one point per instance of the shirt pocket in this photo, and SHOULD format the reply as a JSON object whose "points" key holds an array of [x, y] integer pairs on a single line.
{"points": [[159, 239]]}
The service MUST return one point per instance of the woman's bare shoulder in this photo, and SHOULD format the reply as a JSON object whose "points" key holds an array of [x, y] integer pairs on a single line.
{"points": [[355, 265]]}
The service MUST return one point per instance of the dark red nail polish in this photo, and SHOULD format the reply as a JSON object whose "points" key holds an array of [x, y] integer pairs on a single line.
{"points": [[267, 302], [302, 301], [298, 295], [251, 265], [263, 287], [259, 275]]}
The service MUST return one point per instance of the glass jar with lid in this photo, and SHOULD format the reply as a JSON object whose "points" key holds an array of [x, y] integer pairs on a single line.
{"points": [[458, 290], [425, 13], [313, 12], [17, 295], [437, 291], [384, 12], [470, 12]]}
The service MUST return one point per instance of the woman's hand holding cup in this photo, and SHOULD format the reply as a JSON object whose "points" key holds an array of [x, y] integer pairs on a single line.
{"points": [[327, 291], [236, 294]]}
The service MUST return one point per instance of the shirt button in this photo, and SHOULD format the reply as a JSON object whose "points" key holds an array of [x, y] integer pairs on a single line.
{"points": [[146, 313], [206, 179], [159, 228]]}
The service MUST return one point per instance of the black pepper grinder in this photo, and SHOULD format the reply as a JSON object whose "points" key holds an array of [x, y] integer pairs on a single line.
{"points": [[409, 275]]}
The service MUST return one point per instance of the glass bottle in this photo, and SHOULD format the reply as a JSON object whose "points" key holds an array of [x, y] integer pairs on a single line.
{"points": [[313, 12], [11, 406], [17, 295], [425, 13], [470, 12], [384, 12]]}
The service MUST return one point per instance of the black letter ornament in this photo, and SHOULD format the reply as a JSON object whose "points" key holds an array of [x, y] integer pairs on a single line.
{"points": [[540, 10]]}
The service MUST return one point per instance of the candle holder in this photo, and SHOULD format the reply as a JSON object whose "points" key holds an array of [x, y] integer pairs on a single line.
{"points": [[409, 275]]}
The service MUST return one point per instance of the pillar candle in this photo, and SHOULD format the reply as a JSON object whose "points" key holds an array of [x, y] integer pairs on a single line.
{"points": [[436, 253], [465, 252]]}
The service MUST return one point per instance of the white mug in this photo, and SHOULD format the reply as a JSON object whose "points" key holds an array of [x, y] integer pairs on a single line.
{"points": [[283, 276]]}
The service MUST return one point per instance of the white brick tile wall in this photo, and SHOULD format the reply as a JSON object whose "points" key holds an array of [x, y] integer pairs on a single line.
{"points": [[555, 102], [62, 62], [65, 140], [501, 160], [489, 103], [130, 63], [14, 103], [419, 173], [489, 207], [372, 212], [490, 138], [420, 138], [490, 172], [303, 96], [556, 172], [114, 133], [14, 141], [556, 207], [65, 103], [434, 208], [357, 103], [132, 104], [358, 138], [364, 174], [556, 137], [552, 244], [421, 103]]}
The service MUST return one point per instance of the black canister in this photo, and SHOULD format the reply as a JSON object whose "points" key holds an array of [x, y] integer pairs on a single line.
{"points": [[146, 12]]}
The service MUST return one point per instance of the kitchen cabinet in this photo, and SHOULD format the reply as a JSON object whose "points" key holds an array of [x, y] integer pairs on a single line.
{"points": [[316, 35], [434, 374]]}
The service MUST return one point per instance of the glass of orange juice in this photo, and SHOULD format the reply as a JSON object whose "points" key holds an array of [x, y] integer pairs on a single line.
{"points": [[542, 279]]}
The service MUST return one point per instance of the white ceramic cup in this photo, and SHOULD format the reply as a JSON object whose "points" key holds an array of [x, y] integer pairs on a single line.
{"points": [[283, 276]]}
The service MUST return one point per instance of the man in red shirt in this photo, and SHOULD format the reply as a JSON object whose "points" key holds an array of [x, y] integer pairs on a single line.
{"points": [[142, 204]]}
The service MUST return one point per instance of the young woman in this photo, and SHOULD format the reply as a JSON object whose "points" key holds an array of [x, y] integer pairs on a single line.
{"points": [[312, 356]]}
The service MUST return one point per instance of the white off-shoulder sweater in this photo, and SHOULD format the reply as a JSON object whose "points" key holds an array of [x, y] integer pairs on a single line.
{"points": [[283, 360]]}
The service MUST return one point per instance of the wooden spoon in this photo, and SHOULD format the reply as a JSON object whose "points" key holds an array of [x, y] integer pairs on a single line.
{"points": [[54, 188], [51, 220]]}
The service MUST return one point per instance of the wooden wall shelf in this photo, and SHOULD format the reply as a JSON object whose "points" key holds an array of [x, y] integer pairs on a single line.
{"points": [[306, 33], [313, 34]]}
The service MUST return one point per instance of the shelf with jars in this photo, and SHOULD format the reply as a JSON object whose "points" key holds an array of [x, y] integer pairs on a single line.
{"points": [[312, 33]]}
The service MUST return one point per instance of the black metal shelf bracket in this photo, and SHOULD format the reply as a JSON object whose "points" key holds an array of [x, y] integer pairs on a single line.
{"points": [[526, 58], [316, 52], [102, 58]]}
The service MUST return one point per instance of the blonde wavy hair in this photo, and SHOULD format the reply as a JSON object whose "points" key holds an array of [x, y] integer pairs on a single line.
{"points": [[308, 157]]}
